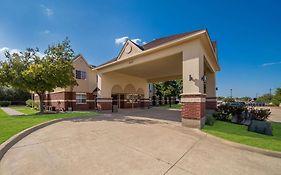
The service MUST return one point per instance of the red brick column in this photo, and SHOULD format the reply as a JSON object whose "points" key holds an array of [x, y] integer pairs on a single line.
{"points": [[211, 103], [193, 110], [145, 103], [104, 103]]}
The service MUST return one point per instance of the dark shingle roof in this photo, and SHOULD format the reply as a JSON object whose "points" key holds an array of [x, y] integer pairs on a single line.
{"points": [[157, 42], [163, 40]]}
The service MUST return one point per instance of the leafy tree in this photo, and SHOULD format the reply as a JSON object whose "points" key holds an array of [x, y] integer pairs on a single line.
{"points": [[276, 100], [28, 71], [12, 94], [266, 98], [229, 99], [221, 98], [245, 99], [169, 89]]}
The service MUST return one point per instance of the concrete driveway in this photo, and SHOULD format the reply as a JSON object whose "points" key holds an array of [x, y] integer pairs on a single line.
{"points": [[126, 144]]}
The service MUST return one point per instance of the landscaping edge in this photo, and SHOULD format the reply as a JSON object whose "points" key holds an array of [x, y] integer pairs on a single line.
{"points": [[246, 147], [4, 147]]}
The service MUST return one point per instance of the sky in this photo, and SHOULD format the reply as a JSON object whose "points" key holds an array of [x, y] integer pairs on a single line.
{"points": [[248, 34]]}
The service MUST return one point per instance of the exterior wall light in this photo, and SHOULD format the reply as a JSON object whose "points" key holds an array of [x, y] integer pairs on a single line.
{"points": [[204, 78], [190, 78]]}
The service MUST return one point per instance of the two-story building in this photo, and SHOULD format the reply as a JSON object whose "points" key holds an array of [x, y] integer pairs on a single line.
{"points": [[124, 80]]}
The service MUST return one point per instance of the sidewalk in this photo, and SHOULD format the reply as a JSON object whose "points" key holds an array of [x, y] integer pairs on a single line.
{"points": [[11, 111]]}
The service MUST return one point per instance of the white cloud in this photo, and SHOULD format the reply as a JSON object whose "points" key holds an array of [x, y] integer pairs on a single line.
{"points": [[123, 39], [4, 49], [270, 64], [46, 31], [47, 11]]}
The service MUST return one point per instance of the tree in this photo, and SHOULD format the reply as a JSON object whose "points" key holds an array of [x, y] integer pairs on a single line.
{"points": [[14, 95], [28, 71], [169, 89], [266, 98], [245, 99], [276, 100], [229, 99]]}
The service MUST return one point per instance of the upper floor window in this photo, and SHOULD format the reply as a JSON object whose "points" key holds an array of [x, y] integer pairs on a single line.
{"points": [[80, 74]]}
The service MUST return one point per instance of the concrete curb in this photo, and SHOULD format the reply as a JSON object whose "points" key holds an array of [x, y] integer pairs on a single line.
{"points": [[4, 147], [245, 147]]}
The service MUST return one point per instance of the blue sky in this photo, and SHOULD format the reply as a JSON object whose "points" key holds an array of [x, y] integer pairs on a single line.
{"points": [[248, 34]]}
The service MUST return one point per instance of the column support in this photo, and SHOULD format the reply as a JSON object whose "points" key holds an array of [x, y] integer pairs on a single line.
{"points": [[193, 110]]}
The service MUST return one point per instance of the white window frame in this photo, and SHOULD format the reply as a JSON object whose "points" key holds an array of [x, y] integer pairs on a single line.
{"points": [[78, 99], [81, 73]]}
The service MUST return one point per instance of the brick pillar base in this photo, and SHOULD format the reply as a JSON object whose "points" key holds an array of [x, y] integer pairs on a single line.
{"points": [[104, 103], [145, 103], [193, 110], [211, 105]]}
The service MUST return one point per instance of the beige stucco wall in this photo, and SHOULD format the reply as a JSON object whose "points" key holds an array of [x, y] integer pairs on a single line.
{"points": [[129, 46], [211, 84], [194, 57], [193, 64], [109, 80], [89, 84]]}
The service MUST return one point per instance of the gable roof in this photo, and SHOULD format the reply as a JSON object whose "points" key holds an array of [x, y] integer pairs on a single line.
{"points": [[128, 42], [81, 56], [160, 41]]}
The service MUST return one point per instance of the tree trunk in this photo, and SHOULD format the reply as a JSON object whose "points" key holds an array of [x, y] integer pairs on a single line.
{"points": [[170, 102], [41, 107]]}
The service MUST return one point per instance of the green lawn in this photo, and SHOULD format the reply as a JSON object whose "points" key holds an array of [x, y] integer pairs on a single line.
{"points": [[10, 126], [173, 106], [24, 109], [239, 133]]}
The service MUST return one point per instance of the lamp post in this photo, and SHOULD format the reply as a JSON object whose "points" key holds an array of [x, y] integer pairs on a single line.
{"points": [[231, 93]]}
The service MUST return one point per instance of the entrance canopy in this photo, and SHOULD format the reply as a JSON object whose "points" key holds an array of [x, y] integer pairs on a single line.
{"points": [[162, 59], [190, 56]]}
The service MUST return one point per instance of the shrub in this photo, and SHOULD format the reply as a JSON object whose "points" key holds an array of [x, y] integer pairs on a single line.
{"points": [[260, 114], [261, 127], [210, 120], [5, 103], [223, 112], [31, 103]]}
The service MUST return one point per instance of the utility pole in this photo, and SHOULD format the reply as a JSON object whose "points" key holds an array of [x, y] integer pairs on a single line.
{"points": [[230, 93], [270, 92]]}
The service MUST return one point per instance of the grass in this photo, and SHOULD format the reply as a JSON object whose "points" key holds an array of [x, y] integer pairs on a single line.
{"points": [[238, 133], [24, 109], [173, 106], [10, 126]]}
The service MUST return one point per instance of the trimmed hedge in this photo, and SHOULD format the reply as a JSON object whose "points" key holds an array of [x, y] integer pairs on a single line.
{"points": [[5, 103]]}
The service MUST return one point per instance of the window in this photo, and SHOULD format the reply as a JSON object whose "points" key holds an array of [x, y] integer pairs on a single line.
{"points": [[80, 74], [81, 98]]}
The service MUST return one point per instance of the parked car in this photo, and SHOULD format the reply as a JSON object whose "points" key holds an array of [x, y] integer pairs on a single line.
{"points": [[236, 104]]}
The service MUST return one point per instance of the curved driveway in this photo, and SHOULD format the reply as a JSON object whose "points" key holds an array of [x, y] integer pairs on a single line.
{"points": [[126, 144]]}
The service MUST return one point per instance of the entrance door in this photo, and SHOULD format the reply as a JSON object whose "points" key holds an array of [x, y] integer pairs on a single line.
{"points": [[115, 99], [122, 101]]}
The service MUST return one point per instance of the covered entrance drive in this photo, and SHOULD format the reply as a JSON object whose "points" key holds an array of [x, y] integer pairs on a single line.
{"points": [[190, 56]]}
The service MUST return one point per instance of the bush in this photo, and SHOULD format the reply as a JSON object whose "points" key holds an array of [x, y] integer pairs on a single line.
{"points": [[223, 112], [5, 103], [261, 127], [260, 114], [210, 120], [31, 103]]}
